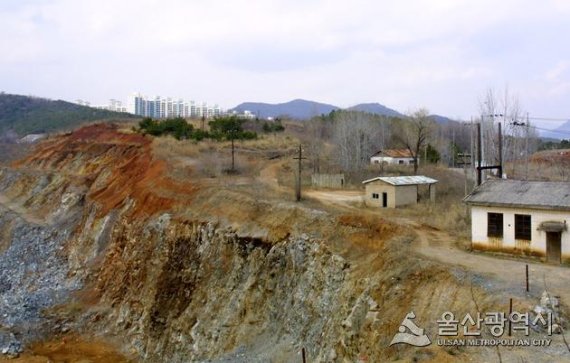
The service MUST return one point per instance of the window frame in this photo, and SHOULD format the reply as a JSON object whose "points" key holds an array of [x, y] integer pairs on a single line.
{"points": [[497, 230], [522, 228]]}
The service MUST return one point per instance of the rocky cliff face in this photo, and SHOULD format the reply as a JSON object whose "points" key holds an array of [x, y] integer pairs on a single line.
{"points": [[198, 291], [98, 239]]}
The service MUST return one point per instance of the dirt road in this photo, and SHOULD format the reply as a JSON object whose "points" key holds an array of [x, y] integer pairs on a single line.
{"points": [[440, 246], [509, 273]]}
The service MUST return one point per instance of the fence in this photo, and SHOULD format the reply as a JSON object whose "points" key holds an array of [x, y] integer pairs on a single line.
{"points": [[328, 180]]}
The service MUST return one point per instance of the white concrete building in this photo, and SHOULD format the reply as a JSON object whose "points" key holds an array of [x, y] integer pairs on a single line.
{"points": [[393, 156], [522, 217]]}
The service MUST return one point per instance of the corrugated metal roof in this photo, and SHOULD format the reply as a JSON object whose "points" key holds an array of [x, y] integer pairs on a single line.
{"points": [[403, 180], [521, 194], [395, 153]]}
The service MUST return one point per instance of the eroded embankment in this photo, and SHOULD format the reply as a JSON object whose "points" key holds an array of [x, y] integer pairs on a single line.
{"points": [[99, 240]]}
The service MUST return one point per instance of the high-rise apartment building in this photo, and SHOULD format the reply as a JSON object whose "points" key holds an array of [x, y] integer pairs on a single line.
{"points": [[159, 107]]}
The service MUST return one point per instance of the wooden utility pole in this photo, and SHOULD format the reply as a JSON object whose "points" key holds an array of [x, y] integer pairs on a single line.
{"points": [[526, 147], [527, 287], [479, 154], [233, 158], [510, 314], [453, 161], [471, 150], [480, 168], [298, 185], [500, 152]]}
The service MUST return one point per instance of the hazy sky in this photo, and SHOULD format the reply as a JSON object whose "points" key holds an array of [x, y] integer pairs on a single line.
{"points": [[406, 54]]}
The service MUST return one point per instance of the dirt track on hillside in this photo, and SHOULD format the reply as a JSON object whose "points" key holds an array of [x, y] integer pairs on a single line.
{"points": [[437, 245]]}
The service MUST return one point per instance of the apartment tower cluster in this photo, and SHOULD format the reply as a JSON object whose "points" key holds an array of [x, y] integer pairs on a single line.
{"points": [[158, 107]]}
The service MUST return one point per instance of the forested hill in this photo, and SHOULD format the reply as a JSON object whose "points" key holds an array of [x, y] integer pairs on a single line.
{"points": [[298, 109], [25, 114]]}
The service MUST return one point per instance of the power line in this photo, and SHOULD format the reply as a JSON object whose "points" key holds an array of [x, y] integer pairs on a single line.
{"points": [[526, 124], [553, 131], [549, 118]]}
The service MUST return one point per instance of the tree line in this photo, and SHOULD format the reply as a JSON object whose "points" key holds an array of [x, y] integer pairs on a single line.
{"points": [[344, 141], [355, 136], [221, 128]]}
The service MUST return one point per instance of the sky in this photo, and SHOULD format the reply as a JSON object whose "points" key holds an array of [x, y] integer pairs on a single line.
{"points": [[439, 54]]}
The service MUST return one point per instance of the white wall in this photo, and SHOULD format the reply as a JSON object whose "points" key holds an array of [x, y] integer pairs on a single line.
{"points": [[538, 238], [391, 160]]}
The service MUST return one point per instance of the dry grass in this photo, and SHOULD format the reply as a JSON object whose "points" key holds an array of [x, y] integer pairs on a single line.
{"points": [[168, 147], [452, 217], [448, 213], [212, 159], [71, 348], [546, 170]]}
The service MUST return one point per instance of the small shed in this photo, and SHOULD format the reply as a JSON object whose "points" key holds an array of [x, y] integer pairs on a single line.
{"points": [[396, 191]]}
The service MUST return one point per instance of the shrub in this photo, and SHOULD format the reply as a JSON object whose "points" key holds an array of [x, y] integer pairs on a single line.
{"points": [[177, 127], [221, 128]]}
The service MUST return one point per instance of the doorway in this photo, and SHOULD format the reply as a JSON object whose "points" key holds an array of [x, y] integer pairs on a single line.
{"points": [[553, 247], [384, 200]]}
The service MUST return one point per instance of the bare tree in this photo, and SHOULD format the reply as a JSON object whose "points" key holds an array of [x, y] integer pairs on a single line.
{"points": [[316, 132], [356, 136], [507, 110], [414, 133]]}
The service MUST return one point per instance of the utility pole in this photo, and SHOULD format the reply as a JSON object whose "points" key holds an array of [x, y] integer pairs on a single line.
{"points": [[515, 156], [480, 168], [233, 136], [479, 154], [526, 124], [471, 149], [298, 185], [453, 148], [526, 147], [233, 158], [500, 152]]}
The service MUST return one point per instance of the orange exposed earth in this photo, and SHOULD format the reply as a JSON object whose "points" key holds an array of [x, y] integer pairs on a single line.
{"points": [[117, 167]]}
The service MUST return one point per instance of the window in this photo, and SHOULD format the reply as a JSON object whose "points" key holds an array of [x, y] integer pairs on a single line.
{"points": [[495, 225], [522, 227], [375, 196], [400, 161]]}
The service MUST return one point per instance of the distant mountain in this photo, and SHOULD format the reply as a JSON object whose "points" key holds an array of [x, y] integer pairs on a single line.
{"points": [[298, 109], [559, 133], [25, 115], [375, 108], [442, 120], [303, 109]]}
